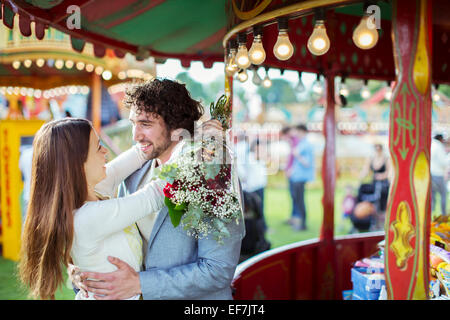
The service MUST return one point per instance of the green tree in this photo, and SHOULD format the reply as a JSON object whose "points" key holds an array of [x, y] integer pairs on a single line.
{"points": [[195, 88], [281, 92]]}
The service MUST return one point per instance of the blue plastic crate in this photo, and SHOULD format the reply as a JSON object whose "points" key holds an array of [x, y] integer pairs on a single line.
{"points": [[363, 287]]}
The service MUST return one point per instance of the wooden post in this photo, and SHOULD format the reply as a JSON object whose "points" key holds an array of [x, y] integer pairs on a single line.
{"points": [[326, 281], [96, 102], [408, 214]]}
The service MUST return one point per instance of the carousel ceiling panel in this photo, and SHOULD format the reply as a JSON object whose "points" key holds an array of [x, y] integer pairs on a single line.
{"points": [[161, 27]]}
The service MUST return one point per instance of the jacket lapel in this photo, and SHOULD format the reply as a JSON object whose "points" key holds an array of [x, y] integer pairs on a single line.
{"points": [[162, 214], [133, 181]]}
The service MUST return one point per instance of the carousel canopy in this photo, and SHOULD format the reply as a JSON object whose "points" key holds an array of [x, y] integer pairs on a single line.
{"points": [[51, 62], [201, 30]]}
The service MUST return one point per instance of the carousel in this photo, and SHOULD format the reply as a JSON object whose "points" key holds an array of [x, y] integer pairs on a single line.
{"points": [[402, 42], [37, 75]]}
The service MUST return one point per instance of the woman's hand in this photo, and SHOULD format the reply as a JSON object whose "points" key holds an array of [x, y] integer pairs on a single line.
{"points": [[75, 277], [209, 128]]}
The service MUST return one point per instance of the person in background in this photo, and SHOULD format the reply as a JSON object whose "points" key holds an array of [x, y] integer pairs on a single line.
{"points": [[349, 202], [438, 170], [303, 171], [25, 162], [258, 170], [292, 140], [380, 167], [252, 171]]}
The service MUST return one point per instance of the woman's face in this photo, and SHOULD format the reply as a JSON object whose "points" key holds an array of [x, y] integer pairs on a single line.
{"points": [[378, 149], [94, 167]]}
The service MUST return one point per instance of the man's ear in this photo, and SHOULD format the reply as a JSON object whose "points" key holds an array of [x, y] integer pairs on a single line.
{"points": [[180, 134]]}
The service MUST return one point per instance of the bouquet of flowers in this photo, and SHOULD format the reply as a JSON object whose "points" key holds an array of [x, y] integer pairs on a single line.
{"points": [[200, 193]]}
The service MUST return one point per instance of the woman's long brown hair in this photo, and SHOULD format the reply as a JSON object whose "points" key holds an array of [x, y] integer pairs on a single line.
{"points": [[58, 187]]}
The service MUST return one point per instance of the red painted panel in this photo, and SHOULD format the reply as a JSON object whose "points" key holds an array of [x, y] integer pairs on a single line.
{"points": [[305, 274], [290, 272]]}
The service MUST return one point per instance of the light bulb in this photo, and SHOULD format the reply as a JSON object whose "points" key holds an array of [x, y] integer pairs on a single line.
{"points": [[344, 90], [107, 75], [256, 78], [318, 42], [365, 92], [317, 87], [257, 54], [283, 48], [267, 82], [69, 64], [242, 75], [80, 65], [99, 70], [363, 36], [242, 59], [89, 67], [59, 64], [16, 64], [27, 63], [40, 62], [388, 94], [122, 75], [231, 67], [436, 97]]}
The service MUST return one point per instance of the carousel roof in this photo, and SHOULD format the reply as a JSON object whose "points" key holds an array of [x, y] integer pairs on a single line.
{"points": [[51, 62], [198, 30]]}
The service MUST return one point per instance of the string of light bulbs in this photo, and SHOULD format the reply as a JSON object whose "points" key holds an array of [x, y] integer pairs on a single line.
{"points": [[238, 58], [80, 65]]}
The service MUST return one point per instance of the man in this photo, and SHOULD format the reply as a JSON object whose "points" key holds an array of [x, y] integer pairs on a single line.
{"points": [[252, 173], [438, 170], [292, 140], [303, 171], [177, 266]]}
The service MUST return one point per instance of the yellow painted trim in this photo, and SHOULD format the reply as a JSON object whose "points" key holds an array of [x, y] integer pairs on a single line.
{"points": [[11, 182], [245, 15], [421, 69], [301, 8], [421, 184]]}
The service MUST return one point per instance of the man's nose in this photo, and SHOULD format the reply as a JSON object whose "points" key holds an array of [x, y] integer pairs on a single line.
{"points": [[137, 133]]}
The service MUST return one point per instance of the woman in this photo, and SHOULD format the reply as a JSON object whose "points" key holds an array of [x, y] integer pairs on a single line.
{"points": [[380, 167], [67, 219]]}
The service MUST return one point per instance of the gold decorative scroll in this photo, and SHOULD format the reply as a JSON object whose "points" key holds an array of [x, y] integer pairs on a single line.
{"points": [[403, 232], [245, 15]]}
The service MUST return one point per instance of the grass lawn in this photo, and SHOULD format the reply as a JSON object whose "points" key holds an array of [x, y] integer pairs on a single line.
{"points": [[278, 207], [11, 289]]}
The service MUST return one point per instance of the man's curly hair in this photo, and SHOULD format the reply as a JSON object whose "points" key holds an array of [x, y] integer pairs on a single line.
{"points": [[168, 99]]}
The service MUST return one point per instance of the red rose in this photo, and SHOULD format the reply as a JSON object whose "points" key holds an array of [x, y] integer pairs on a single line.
{"points": [[168, 191]]}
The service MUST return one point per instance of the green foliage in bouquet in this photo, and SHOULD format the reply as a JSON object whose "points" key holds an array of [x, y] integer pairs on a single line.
{"points": [[221, 111], [176, 211]]}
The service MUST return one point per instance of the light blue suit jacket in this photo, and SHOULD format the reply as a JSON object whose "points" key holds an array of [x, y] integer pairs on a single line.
{"points": [[177, 266]]}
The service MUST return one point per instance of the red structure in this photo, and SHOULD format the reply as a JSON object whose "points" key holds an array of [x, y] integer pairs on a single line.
{"points": [[292, 272]]}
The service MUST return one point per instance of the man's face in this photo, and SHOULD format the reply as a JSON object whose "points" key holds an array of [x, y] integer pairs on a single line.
{"points": [[150, 132]]}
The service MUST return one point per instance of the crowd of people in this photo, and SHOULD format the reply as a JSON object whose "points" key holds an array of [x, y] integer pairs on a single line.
{"points": [[364, 205], [299, 170]]}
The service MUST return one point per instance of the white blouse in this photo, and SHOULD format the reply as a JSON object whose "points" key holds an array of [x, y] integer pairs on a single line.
{"points": [[108, 227]]}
